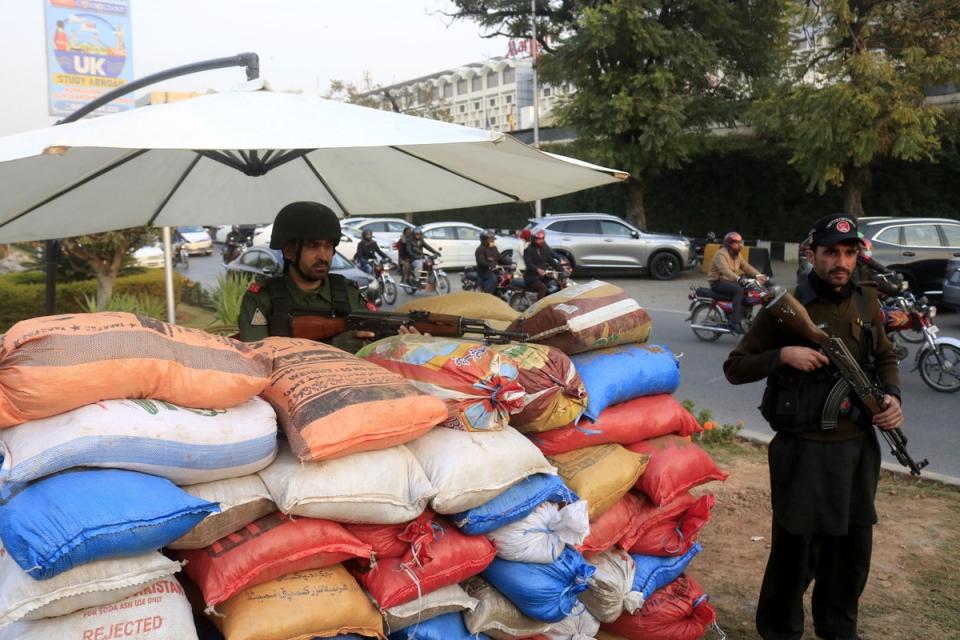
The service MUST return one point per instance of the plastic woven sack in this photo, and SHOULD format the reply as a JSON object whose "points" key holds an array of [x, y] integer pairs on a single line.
{"points": [[53, 364], [73, 518], [479, 385], [655, 572], [242, 500], [579, 625], [469, 304], [613, 525], [449, 599], [495, 615], [671, 529], [601, 475], [555, 395], [587, 316], [678, 611], [398, 540], [618, 374], [185, 445], [331, 403], [638, 419], [543, 534], [449, 626], [545, 592], [514, 504], [611, 588], [675, 465]]}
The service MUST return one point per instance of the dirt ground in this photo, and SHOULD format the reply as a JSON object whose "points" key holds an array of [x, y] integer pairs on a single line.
{"points": [[915, 574]]}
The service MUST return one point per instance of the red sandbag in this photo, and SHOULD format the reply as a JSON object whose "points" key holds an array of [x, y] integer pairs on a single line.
{"points": [[638, 419], [619, 520], [266, 549], [445, 557], [679, 611], [398, 540], [671, 529], [675, 465]]}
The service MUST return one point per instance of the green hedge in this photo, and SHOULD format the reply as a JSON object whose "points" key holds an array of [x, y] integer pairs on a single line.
{"points": [[23, 295]]}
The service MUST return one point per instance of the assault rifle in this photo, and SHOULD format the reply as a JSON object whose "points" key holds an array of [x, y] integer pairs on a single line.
{"points": [[788, 310], [384, 323]]}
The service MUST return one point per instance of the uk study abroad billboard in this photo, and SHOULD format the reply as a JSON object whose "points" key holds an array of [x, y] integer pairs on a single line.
{"points": [[89, 52]]}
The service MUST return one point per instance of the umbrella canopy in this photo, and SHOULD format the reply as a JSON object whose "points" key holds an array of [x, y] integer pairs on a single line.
{"points": [[237, 157]]}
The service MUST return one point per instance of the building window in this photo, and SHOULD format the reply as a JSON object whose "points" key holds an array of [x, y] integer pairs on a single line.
{"points": [[476, 84], [463, 108], [509, 75], [546, 92], [508, 99], [476, 106], [493, 102], [493, 79], [447, 90], [461, 87]]}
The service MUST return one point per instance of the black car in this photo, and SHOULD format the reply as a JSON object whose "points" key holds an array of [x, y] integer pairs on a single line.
{"points": [[918, 248], [260, 261], [951, 286]]}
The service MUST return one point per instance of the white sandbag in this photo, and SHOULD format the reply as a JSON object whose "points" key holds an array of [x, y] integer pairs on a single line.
{"points": [[436, 603], [159, 611], [469, 469], [495, 615], [242, 500], [542, 535], [609, 592], [373, 487], [186, 446], [91, 585], [579, 625]]}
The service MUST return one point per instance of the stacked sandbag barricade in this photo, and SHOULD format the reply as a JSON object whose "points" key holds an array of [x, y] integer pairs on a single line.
{"points": [[426, 488]]}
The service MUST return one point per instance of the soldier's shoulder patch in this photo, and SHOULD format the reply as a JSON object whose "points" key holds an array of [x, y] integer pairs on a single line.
{"points": [[255, 287], [258, 319]]}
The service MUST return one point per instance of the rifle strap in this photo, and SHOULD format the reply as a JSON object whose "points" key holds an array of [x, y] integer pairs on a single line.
{"points": [[279, 323], [339, 297], [867, 346]]}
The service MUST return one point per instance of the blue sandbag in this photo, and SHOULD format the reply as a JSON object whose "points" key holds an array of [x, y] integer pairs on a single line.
{"points": [[655, 572], [546, 592], [449, 626], [618, 374], [73, 518], [514, 504]]}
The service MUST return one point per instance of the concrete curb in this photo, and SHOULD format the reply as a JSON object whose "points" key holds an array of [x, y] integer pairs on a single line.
{"points": [[765, 438]]}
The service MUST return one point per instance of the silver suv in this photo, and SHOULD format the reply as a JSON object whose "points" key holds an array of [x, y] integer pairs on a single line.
{"points": [[603, 241], [919, 248]]}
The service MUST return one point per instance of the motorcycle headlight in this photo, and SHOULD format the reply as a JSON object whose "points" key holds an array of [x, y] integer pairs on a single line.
{"points": [[932, 312]]}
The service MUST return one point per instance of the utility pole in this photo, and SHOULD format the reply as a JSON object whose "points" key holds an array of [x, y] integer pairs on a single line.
{"points": [[538, 209]]}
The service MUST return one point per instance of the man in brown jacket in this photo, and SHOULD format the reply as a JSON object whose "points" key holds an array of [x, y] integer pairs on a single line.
{"points": [[823, 479], [726, 270]]}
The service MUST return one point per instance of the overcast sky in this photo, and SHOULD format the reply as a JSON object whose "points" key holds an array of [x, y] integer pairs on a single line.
{"points": [[303, 44]]}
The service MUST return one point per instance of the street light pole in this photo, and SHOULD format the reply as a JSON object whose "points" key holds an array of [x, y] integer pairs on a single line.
{"points": [[538, 209]]}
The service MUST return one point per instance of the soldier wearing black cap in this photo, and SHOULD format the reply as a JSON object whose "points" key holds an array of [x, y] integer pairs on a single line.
{"points": [[822, 481], [307, 233]]}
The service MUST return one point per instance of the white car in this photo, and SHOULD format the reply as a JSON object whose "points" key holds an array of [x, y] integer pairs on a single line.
{"points": [[196, 240], [457, 243], [386, 231], [150, 256], [348, 239]]}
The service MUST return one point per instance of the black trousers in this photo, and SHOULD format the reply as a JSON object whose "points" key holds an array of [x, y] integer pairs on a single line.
{"points": [[838, 566], [733, 291]]}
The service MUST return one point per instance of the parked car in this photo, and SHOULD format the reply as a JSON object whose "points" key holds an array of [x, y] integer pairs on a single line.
{"points": [[918, 248], [196, 240], [348, 239], [457, 243], [149, 257], [259, 261], [951, 285], [606, 242], [385, 230]]}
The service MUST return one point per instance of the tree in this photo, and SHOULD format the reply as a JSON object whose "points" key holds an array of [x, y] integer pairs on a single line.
{"points": [[650, 76], [374, 95], [856, 93], [344, 91], [104, 253]]}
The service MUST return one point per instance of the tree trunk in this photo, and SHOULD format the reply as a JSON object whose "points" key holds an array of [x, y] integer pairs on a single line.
{"points": [[4, 251], [856, 181], [633, 199], [106, 272]]}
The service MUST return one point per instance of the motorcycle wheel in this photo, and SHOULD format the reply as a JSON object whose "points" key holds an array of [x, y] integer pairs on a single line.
{"points": [[185, 261], [389, 291], [467, 285], [519, 301], [706, 315], [945, 378], [441, 284], [911, 336]]}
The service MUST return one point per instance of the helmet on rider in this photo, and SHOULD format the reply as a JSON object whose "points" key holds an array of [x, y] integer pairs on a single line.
{"points": [[487, 235], [418, 232], [733, 241], [539, 237], [235, 228], [304, 221], [367, 234], [524, 234]]}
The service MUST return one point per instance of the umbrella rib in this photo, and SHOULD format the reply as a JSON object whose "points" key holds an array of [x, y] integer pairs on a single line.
{"points": [[459, 175], [325, 185], [286, 157], [174, 189], [76, 185], [222, 159]]}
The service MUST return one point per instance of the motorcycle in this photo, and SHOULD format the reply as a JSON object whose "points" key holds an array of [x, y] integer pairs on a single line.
{"points": [[520, 296], [504, 273], [710, 314], [430, 278], [232, 249], [180, 256], [937, 359], [699, 245], [383, 288]]}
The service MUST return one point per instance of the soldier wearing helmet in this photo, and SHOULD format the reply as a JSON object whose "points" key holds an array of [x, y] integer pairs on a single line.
{"points": [[538, 257], [307, 233], [488, 257], [367, 252], [726, 270]]}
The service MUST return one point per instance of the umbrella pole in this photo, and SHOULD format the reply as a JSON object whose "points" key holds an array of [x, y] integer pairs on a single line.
{"points": [[168, 276], [51, 252]]}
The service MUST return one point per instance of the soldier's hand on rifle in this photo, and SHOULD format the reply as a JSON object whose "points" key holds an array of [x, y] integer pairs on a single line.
{"points": [[803, 358], [364, 335], [891, 417], [413, 331]]}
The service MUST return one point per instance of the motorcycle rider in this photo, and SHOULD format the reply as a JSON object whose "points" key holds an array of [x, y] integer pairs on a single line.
{"points": [[416, 247], [488, 257], [403, 253], [367, 252], [538, 257], [726, 272], [231, 248]]}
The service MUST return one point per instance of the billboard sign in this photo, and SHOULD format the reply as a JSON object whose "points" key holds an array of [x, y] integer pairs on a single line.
{"points": [[88, 53]]}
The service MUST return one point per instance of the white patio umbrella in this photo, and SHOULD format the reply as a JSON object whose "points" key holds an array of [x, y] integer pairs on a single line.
{"points": [[238, 156]]}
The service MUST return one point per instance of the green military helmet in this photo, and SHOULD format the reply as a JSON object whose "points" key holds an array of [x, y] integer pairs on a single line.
{"points": [[304, 221]]}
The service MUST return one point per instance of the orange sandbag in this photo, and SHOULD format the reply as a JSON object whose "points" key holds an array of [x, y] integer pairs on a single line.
{"points": [[268, 548], [601, 475], [638, 419], [53, 364], [678, 611], [332, 403], [671, 529], [675, 465], [618, 521], [440, 557], [398, 540]]}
